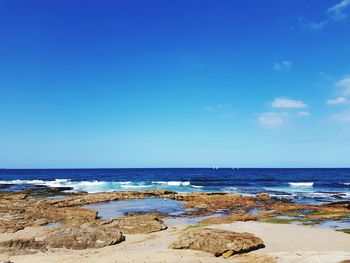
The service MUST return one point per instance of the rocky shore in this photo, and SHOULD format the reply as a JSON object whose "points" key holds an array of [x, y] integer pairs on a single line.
{"points": [[79, 228], [19, 210]]}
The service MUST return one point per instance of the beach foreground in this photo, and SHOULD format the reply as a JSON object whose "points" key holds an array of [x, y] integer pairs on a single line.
{"points": [[284, 243], [38, 228]]}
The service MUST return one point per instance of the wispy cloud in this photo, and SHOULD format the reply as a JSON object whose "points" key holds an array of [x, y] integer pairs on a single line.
{"points": [[343, 116], [315, 26], [337, 11], [343, 89], [344, 85], [286, 110], [273, 119], [337, 101], [303, 113], [282, 65], [222, 110], [288, 103]]}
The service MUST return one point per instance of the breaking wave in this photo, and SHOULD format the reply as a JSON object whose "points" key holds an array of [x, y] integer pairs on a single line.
{"points": [[103, 186], [172, 183]]}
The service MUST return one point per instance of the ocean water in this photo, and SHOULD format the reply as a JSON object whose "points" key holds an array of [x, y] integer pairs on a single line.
{"points": [[301, 185]]}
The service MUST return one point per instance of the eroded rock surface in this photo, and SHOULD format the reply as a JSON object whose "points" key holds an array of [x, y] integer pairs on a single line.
{"points": [[142, 224], [96, 234], [87, 236], [22, 246], [218, 242], [18, 210], [93, 198], [15, 215]]}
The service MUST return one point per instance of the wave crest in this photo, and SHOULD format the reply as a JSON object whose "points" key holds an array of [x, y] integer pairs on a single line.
{"points": [[106, 186], [301, 184], [173, 183]]}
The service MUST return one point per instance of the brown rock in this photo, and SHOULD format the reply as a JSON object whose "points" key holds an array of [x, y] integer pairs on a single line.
{"points": [[263, 196], [217, 241], [84, 237], [15, 215], [21, 246], [142, 224], [17, 211], [236, 217], [94, 198], [344, 204], [87, 236], [12, 196], [40, 222], [212, 202]]}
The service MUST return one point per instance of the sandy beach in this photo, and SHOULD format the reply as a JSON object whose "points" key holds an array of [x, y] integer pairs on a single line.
{"points": [[284, 243]]}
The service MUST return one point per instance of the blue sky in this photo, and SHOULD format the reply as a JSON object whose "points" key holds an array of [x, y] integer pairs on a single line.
{"points": [[187, 83]]}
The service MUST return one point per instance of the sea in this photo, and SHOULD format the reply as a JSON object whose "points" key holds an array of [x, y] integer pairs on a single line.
{"points": [[313, 186]]}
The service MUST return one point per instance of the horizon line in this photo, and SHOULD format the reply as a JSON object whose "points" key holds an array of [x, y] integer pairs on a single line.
{"points": [[213, 167]]}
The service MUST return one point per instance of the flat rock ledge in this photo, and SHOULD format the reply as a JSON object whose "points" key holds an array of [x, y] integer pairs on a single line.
{"points": [[218, 242], [142, 224], [89, 235], [20, 210], [71, 238]]}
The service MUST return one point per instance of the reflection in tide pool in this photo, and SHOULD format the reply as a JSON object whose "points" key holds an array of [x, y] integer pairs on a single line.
{"points": [[172, 208], [114, 209]]}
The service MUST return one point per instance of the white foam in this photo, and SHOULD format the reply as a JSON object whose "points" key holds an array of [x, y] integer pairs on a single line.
{"points": [[124, 183], [300, 184], [23, 182], [102, 186], [92, 183], [56, 182], [135, 186], [173, 183]]}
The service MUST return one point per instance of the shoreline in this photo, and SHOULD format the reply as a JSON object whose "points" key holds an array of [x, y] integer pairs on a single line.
{"points": [[147, 237], [314, 185]]}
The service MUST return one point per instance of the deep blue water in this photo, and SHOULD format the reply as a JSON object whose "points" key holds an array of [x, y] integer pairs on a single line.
{"points": [[303, 185]]}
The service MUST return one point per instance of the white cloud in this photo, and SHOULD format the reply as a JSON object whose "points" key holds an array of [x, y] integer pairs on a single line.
{"points": [[344, 85], [342, 116], [315, 26], [277, 119], [288, 103], [337, 11], [304, 113], [337, 101], [282, 65], [273, 119]]}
